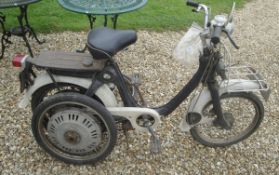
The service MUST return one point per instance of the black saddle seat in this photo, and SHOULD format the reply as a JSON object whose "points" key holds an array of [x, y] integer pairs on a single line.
{"points": [[105, 42]]}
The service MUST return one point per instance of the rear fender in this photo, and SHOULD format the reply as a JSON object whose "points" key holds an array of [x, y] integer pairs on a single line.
{"points": [[103, 93]]}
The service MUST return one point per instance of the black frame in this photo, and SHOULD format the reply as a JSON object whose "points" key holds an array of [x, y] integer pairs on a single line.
{"points": [[206, 73]]}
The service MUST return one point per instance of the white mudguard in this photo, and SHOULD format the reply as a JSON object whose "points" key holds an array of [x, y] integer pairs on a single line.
{"points": [[103, 93], [202, 99]]}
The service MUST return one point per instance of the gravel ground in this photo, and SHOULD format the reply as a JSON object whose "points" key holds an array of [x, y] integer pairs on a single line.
{"points": [[256, 34]]}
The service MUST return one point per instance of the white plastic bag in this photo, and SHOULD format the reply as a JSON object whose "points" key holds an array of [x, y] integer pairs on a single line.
{"points": [[189, 48]]}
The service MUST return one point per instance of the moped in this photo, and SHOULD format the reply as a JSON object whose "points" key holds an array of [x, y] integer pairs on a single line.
{"points": [[76, 110]]}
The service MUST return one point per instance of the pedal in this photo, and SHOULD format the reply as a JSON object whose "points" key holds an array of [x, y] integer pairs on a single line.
{"points": [[136, 79], [155, 143]]}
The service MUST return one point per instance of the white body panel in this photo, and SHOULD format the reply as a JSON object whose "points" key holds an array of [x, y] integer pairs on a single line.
{"points": [[104, 93]]}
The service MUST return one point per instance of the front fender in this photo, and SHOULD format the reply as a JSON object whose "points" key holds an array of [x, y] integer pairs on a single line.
{"points": [[200, 100], [103, 93]]}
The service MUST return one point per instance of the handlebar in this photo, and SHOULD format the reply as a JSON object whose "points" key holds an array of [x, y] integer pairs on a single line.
{"points": [[219, 23], [200, 7], [192, 4]]}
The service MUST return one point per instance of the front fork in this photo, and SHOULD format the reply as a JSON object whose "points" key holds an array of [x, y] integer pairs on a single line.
{"points": [[224, 120]]}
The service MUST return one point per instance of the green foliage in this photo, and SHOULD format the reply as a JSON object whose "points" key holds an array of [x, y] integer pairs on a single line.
{"points": [[48, 16]]}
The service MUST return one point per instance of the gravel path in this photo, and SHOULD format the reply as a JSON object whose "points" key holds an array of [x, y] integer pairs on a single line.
{"points": [[256, 34]]}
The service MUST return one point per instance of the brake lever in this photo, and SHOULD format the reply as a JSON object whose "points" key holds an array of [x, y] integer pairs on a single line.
{"points": [[195, 10], [231, 40]]}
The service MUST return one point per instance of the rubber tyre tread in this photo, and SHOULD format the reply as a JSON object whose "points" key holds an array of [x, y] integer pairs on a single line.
{"points": [[249, 96], [85, 100]]}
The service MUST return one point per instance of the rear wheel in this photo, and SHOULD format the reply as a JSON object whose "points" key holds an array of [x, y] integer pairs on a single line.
{"points": [[244, 110], [74, 128]]}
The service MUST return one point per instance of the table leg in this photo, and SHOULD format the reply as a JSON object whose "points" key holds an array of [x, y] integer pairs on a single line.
{"points": [[2, 48], [23, 10], [25, 28], [106, 21], [92, 19], [114, 20], [2, 20]]}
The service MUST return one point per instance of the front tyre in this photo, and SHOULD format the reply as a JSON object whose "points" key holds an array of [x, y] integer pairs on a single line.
{"points": [[244, 109], [74, 128]]}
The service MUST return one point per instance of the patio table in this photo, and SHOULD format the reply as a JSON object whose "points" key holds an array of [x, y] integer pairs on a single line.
{"points": [[92, 8], [24, 27]]}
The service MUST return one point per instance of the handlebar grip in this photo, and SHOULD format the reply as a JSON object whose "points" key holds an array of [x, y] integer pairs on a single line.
{"points": [[215, 38], [192, 4]]}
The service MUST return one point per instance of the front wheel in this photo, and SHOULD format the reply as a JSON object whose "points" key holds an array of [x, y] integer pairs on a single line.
{"points": [[246, 112], [74, 128]]}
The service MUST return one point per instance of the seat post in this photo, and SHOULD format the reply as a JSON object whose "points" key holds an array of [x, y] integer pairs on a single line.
{"points": [[124, 92]]}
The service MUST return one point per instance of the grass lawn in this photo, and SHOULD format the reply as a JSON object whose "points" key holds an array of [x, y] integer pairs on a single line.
{"points": [[48, 16]]}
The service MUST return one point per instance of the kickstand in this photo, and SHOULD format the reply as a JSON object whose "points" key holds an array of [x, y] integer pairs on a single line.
{"points": [[125, 132], [155, 143], [125, 128]]}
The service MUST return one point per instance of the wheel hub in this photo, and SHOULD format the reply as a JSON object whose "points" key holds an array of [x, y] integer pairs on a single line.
{"points": [[226, 122], [74, 131], [72, 137]]}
